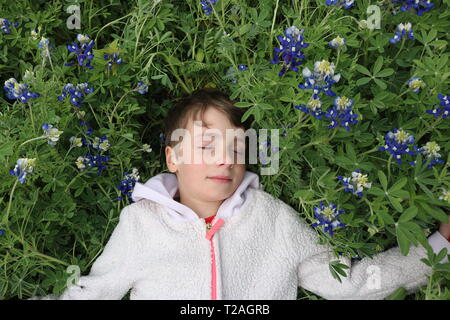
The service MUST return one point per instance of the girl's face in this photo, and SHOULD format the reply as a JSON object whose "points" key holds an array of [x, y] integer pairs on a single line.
{"points": [[215, 158]]}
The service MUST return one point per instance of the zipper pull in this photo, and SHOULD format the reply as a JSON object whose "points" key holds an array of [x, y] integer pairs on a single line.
{"points": [[208, 226]]}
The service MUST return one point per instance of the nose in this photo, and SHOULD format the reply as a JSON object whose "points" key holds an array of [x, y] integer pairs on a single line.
{"points": [[226, 158]]}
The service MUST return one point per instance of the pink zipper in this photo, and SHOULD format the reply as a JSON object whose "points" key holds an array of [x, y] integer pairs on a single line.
{"points": [[209, 236]]}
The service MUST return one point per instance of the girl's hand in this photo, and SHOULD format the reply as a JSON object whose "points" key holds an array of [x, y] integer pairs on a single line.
{"points": [[444, 228]]}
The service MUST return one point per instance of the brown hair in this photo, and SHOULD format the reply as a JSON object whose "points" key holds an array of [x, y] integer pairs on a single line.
{"points": [[189, 107]]}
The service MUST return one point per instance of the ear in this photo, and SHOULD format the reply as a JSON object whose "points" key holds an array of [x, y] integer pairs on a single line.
{"points": [[171, 159]]}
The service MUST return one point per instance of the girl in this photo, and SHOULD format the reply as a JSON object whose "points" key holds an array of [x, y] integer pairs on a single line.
{"points": [[209, 231]]}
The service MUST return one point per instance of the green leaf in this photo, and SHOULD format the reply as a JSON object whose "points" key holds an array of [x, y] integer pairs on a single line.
{"points": [[385, 73], [378, 64], [399, 184], [395, 203], [380, 83], [383, 179], [408, 214], [435, 212], [363, 70], [385, 217], [402, 240], [362, 81], [376, 191], [442, 254], [399, 194], [398, 294], [243, 104]]}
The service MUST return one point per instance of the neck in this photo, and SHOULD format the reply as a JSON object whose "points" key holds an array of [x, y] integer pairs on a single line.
{"points": [[203, 209]]}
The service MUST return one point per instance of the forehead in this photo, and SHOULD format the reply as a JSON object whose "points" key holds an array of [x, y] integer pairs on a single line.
{"points": [[212, 121]]}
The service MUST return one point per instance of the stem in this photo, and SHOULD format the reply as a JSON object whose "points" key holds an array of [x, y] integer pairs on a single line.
{"points": [[117, 104], [96, 120], [273, 24], [5, 218], [389, 167], [32, 119], [37, 138], [401, 47]]}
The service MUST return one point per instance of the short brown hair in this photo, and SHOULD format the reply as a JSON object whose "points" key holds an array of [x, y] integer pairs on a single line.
{"points": [[199, 101]]}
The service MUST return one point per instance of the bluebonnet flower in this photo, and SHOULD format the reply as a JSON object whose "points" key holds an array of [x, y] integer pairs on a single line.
{"points": [[88, 131], [51, 133], [146, 148], [101, 143], [356, 183], [23, 167], [83, 51], [207, 6], [28, 75], [242, 67], [141, 88], [93, 161], [126, 186], [285, 129], [290, 50], [113, 58], [341, 113], [430, 151], [2, 232], [401, 31], [346, 4], [75, 142], [5, 25], [327, 216], [419, 6], [397, 144], [77, 93], [337, 42], [313, 107], [445, 103], [415, 84], [321, 79], [445, 195], [263, 147], [15, 90]]}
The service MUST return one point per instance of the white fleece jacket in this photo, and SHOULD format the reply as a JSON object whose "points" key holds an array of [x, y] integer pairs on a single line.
{"points": [[262, 251]]}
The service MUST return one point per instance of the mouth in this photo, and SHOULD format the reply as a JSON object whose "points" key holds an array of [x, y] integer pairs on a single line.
{"points": [[221, 179]]}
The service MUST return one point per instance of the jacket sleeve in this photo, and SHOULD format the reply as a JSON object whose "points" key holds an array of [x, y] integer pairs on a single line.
{"points": [[109, 277], [367, 279]]}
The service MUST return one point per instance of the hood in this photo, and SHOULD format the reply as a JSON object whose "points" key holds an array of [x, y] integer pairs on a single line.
{"points": [[163, 187]]}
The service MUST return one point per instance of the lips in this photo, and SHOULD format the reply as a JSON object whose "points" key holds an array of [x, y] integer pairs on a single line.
{"points": [[221, 178]]}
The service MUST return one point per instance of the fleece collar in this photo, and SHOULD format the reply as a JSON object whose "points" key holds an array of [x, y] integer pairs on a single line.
{"points": [[164, 186]]}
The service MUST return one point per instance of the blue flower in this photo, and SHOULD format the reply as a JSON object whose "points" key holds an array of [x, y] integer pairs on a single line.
{"points": [[23, 167], [19, 91], [313, 107], [126, 186], [141, 88], [2, 232], [207, 6], [415, 84], [101, 143], [397, 144], [263, 148], [290, 50], [356, 183], [76, 93], [5, 25], [419, 6], [321, 79], [93, 161], [341, 114], [337, 42], [83, 51], [401, 31], [445, 103], [242, 67], [346, 4], [430, 151], [285, 129], [328, 217], [51, 133], [113, 58]]}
